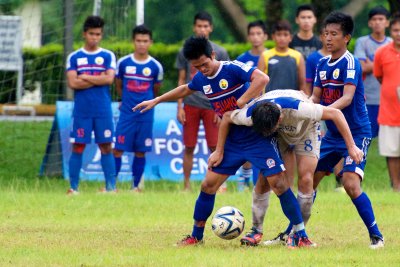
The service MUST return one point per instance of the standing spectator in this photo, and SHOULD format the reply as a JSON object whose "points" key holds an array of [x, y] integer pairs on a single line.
{"points": [[139, 78], [196, 107], [386, 70], [90, 72], [305, 41], [256, 35], [365, 52]]}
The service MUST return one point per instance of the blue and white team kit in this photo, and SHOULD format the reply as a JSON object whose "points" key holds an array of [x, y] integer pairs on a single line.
{"points": [[138, 80], [299, 127], [92, 106], [331, 77], [223, 90]]}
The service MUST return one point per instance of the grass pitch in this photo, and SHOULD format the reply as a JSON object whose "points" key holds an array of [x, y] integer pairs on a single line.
{"points": [[41, 226]]}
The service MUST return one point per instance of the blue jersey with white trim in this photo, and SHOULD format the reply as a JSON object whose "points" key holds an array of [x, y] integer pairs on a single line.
{"points": [[331, 78], [96, 100], [225, 87], [249, 59], [138, 80]]}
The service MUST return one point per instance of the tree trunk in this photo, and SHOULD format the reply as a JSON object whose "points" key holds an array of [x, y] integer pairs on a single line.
{"points": [[234, 18], [274, 12], [354, 7]]}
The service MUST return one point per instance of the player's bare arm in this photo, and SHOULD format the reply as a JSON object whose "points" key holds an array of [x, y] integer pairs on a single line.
{"points": [[367, 66], [316, 95], [106, 78], [216, 157], [259, 81], [156, 89], [347, 97], [338, 118], [174, 94], [75, 82], [301, 78], [118, 86], [180, 115]]}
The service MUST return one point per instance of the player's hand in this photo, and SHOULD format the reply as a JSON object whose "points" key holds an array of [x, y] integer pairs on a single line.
{"points": [[217, 119], [145, 106], [181, 116], [356, 154], [215, 159]]}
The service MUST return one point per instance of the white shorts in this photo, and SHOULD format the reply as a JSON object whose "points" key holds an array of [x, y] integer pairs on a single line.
{"points": [[389, 141]]}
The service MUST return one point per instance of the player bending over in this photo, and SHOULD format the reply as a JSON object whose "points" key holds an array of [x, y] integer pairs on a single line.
{"points": [[296, 120], [229, 85]]}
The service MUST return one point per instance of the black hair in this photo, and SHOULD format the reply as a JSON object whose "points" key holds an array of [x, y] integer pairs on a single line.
{"points": [[203, 15], [345, 21], [305, 7], [195, 47], [141, 29], [395, 19], [257, 23], [282, 25], [92, 22], [378, 10], [265, 117]]}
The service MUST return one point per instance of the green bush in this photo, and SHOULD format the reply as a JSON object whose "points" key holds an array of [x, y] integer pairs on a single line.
{"points": [[46, 66]]}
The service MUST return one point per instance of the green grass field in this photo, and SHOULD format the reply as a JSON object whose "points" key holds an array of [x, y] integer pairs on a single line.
{"points": [[41, 226]]}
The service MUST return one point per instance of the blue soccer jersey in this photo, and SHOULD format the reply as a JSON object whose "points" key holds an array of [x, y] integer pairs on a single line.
{"points": [[94, 101], [138, 80], [331, 77], [311, 65], [225, 87], [249, 59]]}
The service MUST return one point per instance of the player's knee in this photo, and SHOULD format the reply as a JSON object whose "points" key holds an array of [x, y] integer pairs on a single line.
{"points": [[117, 153], [78, 148], [189, 150], [278, 184], [105, 148], [209, 187], [352, 189]]}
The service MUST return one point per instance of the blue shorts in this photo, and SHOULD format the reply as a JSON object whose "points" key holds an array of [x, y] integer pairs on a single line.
{"points": [[103, 129], [134, 136], [334, 149], [373, 118], [262, 152]]}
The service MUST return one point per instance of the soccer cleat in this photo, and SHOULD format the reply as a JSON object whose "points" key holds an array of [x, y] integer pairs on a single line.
{"points": [[104, 191], [294, 241], [281, 239], [136, 190], [189, 241], [252, 238], [376, 242], [72, 192]]}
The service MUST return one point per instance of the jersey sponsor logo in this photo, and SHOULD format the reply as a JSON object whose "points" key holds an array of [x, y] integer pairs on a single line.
{"points": [[148, 142], [107, 133], [223, 84], [121, 139], [130, 69], [207, 89], [351, 74], [330, 95], [270, 163], [82, 61], [349, 160], [336, 73], [99, 60], [273, 61], [146, 71], [222, 106], [322, 75]]}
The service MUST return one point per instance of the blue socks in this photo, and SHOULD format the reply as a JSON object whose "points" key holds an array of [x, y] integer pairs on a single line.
{"points": [[118, 163], [108, 165], [364, 208], [137, 170], [202, 210], [291, 209], [75, 165]]}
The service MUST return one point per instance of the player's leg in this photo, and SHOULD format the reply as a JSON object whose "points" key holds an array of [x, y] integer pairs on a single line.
{"points": [[118, 160], [80, 136], [246, 172], [389, 147], [104, 131], [124, 138], [142, 144], [190, 133], [352, 176]]}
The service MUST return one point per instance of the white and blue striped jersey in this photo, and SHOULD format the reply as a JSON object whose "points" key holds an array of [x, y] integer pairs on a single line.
{"points": [[94, 101], [299, 113], [331, 77]]}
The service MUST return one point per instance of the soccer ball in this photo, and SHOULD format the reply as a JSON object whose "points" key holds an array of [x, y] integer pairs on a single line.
{"points": [[228, 223]]}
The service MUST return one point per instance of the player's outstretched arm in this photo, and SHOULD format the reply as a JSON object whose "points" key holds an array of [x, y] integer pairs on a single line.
{"points": [[174, 94], [338, 118], [216, 157], [316, 95], [347, 97]]}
